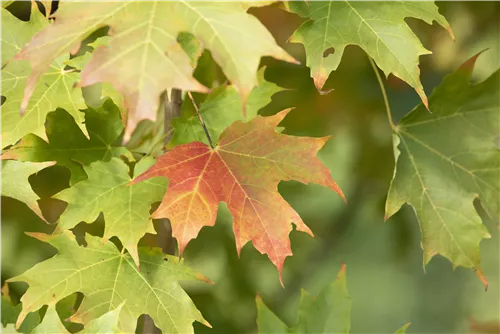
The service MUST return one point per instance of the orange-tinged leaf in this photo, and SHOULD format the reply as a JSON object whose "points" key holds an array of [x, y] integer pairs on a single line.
{"points": [[144, 57], [244, 171]]}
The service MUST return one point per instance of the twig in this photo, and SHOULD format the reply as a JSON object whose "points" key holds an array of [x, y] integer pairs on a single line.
{"points": [[384, 94], [201, 120]]}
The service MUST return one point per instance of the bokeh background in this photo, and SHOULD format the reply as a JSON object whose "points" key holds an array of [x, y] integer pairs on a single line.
{"points": [[385, 276]]}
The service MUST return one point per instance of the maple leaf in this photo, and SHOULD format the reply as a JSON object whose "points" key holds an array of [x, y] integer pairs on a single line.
{"points": [[445, 160], [54, 89], [6, 3], [10, 314], [126, 209], [244, 171], [377, 27], [403, 329], [221, 109], [15, 182], [328, 312], [50, 323], [107, 323], [108, 278], [68, 146], [144, 57]]}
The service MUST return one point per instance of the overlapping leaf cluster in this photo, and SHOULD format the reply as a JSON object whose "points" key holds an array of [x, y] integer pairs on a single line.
{"points": [[47, 121]]}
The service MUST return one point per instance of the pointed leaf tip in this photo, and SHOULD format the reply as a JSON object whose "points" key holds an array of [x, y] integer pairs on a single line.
{"points": [[480, 274]]}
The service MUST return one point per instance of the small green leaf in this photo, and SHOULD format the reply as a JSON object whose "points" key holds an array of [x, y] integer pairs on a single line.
{"points": [[15, 182], [221, 109], [329, 312], [107, 323], [69, 147], [10, 314], [403, 329], [51, 323]]}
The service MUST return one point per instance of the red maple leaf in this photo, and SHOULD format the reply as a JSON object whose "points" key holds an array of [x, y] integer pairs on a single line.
{"points": [[244, 171]]}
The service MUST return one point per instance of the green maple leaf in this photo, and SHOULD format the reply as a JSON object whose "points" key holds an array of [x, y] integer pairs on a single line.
{"points": [[221, 109], [10, 314], [15, 182], [328, 312], [446, 159], [51, 323], [107, 323], [54, 88], [6, 3], [403, 329], [125, 208], [108, 278], [68, 146], [377, 27], [144, 57]]}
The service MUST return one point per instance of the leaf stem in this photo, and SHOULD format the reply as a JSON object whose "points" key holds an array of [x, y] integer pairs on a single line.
{"points": [[201, 120], [384, 94]]}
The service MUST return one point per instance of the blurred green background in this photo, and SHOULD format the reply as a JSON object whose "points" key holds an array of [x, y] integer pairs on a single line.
{"points": [[385, 274]]}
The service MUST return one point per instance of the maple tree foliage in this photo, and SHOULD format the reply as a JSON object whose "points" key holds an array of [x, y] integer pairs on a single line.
{"points": [[380, 31], [144, 57], [243, 170], [440, 174], [54, 87], [328, 312], [103, 125], [86, 87], [107, 278], [15, 182]]}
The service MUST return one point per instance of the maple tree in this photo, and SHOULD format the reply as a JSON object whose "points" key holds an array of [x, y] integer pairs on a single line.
{"points": [[161, 115]]}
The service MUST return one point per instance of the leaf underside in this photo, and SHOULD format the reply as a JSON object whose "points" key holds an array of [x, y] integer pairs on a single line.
{"points": [[446, 159]]}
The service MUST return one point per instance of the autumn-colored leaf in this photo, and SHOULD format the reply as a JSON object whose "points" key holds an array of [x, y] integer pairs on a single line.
{"points": [[445, 160], [144, 57], [244, 171], [377, 27], [107, 278]]}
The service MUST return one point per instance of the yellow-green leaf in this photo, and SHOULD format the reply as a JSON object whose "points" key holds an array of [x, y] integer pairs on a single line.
{"points": [[108, 278], [377, 27], [144, 57]]}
